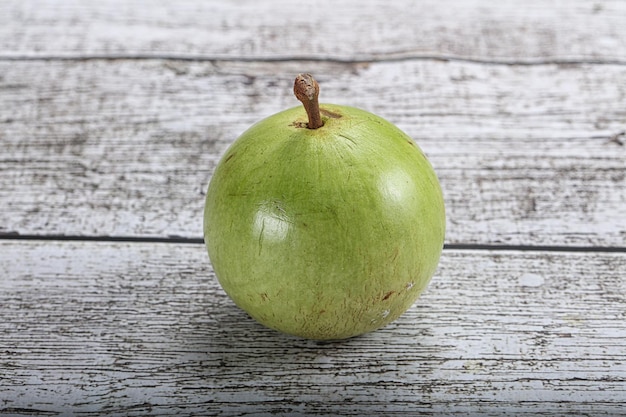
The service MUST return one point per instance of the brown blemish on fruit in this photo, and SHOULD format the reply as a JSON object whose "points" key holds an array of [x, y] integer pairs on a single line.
{"points": [[299, 125], [389, 294], [230, 157], [264, 296]]}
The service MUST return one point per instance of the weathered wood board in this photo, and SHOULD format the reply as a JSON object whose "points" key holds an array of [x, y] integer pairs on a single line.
{"points": [[527, 155], [113, 115], [97, 328], [503, 31]]}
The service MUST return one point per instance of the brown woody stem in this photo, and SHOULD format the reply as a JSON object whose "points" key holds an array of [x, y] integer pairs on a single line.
{"points": [[307, 91]]}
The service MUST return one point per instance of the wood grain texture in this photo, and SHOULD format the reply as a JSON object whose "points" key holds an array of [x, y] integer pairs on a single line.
{"points": [[505, 31], [125, 329], [526, 154], [113, 115]]}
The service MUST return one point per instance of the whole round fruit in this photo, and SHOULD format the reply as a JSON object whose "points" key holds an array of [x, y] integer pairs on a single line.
{"points": [[324, 228]]}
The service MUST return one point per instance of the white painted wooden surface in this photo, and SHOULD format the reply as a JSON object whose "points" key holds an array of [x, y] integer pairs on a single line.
{"points": [[114, 113], [141, 328], [524, 154], [503, 31]]}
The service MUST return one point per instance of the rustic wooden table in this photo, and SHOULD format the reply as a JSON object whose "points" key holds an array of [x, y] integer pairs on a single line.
{"points": [[113, 115]]}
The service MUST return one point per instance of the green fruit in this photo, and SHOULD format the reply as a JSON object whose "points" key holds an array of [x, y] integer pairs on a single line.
{"points": [[324, 233]]}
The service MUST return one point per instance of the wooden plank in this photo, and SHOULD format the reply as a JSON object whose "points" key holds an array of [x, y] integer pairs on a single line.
{"points": [[114, 329], [99, 147], [535, 31]]}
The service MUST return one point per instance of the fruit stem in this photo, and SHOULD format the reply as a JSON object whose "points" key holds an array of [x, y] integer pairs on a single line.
{"points": [[307, 91]]}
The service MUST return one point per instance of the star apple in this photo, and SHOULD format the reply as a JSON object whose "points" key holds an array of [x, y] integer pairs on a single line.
{"points": [[324, 221]]}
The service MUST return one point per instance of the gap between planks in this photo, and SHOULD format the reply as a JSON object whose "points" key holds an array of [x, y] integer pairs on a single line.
{"points": [[304, 58], [200, 241]]}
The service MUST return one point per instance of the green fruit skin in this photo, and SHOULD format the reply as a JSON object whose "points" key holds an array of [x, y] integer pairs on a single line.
{"points": [[327, 233]]}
